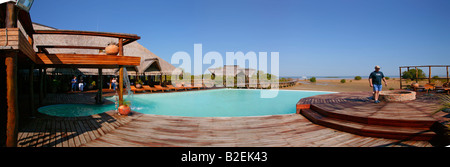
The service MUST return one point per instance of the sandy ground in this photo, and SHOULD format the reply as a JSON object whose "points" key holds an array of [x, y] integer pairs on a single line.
{"points": [[349, 86]]}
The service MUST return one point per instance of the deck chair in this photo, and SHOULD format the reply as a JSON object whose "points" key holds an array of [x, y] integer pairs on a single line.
{"points": [[427, 87], [200, 86], [189, 86], [134, 89], [174, 88], [445, 87], [159, 87], [148, 88], [180, 86]]}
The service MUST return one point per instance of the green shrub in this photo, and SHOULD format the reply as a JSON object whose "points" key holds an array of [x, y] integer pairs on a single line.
{"points": [[391, 89], [313, 79], [387, 78], [342, 80], [411, 74], [435, 77], [358, 78]]}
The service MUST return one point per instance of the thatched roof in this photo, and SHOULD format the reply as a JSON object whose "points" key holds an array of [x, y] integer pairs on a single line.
{"points": [[231, 70], [151, 64]]}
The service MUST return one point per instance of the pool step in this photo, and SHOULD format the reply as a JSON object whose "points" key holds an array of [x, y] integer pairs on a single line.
{"points": [[422, 122], [368, 129]]}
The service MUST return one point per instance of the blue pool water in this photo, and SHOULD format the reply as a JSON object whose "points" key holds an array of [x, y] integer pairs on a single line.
{"points": [[209, 103]]}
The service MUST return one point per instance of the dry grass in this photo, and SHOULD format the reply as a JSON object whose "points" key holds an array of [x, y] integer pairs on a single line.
{"points": [[349, 86]]}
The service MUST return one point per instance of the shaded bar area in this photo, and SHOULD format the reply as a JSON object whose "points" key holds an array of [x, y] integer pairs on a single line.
{"points": [[23, 66]]}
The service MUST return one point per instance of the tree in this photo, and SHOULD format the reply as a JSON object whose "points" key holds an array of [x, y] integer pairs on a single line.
{"points": [[411, 74]]}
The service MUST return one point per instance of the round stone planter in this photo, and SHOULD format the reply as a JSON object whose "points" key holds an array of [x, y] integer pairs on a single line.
{"points": [[397, 96]]}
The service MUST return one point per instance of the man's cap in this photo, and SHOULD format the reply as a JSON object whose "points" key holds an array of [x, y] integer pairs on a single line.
{"points": [[377, 67]]}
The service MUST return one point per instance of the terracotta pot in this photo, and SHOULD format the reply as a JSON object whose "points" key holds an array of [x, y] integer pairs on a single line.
{"points": [[112, 49], [124, 110], [415, 85]]}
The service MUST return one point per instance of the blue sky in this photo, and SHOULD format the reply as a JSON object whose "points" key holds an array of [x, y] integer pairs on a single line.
{"points": [[313, 37]]}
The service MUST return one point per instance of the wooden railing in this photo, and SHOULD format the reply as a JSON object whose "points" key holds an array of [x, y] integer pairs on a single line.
{"points": [[14, 39], [417, 78]]}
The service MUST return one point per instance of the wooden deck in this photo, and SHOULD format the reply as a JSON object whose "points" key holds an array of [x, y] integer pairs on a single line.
{"points": [[355, 113], [290, 130], [143, 130], [49, 131]]}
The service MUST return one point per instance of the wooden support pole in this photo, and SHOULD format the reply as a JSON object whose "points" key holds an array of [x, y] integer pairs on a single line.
{"points": [[121, 73], [121, 85], [44, 80], [417, 75], [100, 86], [41, 86], [11, 15], [400, 69], [31, 84], [429, 74], [110, 82], [12, 122], [447, 74]]}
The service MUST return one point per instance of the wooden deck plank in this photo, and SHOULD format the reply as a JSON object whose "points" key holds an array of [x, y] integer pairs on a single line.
{"points": [[69, 134], [93, 129], [81, 132], [97, 127], [76, 133]]}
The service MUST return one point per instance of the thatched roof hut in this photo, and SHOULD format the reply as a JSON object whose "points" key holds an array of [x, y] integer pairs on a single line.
{"points": [[150, 64], [232, 71]]}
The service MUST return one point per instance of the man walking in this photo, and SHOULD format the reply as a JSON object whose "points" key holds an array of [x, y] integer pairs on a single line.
{"points": [[375, 82]]}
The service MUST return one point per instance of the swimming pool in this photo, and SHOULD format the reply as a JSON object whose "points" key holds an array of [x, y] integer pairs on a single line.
{"points": [[208, 103]]}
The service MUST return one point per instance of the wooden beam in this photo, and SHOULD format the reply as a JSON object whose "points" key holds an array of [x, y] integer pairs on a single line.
{"points": [[70, 47], [89, 33], [12, 124], [127, 41], [87, 59]]}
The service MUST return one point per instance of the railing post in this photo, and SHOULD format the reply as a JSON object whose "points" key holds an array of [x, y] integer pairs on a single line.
{"points": [[417, 75], [447, 74], [429, 74], [400, 69]]}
